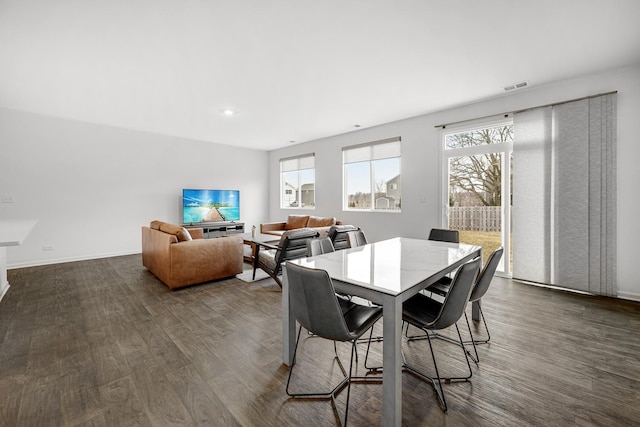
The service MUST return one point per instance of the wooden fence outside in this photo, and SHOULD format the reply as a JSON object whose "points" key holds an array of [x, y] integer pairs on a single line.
{"points": [[475, 218]]}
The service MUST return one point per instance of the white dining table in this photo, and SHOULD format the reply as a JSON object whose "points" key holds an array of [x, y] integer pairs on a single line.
{"points": [[387, 273]]}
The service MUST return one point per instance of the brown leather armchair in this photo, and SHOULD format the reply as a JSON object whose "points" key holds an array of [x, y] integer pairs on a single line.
{"points": [[179, 260]]}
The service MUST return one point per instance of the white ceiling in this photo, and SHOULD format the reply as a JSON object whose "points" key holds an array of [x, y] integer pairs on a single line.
{"points": [[294, 70]]}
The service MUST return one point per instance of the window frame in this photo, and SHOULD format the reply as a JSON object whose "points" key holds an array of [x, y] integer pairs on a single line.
{"points": [[506, 150], [299, 164], [395, 144]]}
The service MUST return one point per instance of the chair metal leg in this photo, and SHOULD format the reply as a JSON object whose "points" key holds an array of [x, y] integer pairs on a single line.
{"points": [[333, 393], [437, 380], [327, 395], [461, 343], [473, 341], [368, 340], [346, 409], [366, 357], [476, 359], [486, 328]]}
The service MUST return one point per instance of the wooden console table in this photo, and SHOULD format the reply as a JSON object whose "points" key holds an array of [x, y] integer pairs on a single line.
{"points": [[12, 233]]}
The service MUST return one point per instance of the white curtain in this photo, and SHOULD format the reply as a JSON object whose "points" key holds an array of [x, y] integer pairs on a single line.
{"points": [[564, 195]]}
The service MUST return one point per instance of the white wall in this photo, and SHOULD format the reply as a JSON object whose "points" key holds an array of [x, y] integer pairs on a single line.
{"points": [[92, 187], [421, 164]]}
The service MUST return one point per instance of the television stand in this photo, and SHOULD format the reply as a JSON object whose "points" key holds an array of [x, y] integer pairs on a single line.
{"points": [[218, 228]]}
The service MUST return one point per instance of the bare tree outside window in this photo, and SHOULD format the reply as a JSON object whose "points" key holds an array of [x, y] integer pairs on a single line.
{"points": [[477, 180]]}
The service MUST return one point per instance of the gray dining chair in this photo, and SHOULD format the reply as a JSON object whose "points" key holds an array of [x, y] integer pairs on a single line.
{"points": [[316, 308], [338, 235], [448, 236], [430, 315], [480, 288], [319, 246], [356, 238], [444, 235], [323, 245]]}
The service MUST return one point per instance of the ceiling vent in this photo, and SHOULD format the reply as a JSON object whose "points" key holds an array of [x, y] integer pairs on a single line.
{"points": [[516, 86]]}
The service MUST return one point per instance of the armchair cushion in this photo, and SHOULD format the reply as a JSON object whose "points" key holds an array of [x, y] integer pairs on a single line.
{"points": [[296, 221], [180, 232], [317, 221], [268, 259]]}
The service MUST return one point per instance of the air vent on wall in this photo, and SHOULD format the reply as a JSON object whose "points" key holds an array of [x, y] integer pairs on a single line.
{"points": [[516, 86]]}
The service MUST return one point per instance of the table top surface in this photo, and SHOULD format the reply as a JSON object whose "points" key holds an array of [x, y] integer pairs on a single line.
{"points": [[13, 232], [391, 266], [259, 238]]}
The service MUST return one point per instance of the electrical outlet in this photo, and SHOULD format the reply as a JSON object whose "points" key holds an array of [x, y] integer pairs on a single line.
{"points": [[48, 248], [8, 198]]}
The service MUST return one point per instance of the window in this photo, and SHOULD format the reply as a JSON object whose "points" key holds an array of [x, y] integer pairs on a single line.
{"points": [[371, 180], [298, 182]]}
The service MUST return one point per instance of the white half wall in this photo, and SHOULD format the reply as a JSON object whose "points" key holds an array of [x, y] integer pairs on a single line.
{"points": [[93, 187], [421, 177]]}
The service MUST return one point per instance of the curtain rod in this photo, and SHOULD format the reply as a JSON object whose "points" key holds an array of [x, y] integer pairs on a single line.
{"points": [[299, 156], [566, 102], [492, 116], [443, 126]]}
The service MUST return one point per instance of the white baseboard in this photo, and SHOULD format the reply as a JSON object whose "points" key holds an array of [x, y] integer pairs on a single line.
{"points": [[632, 296], [4, 287], [70, 259]]}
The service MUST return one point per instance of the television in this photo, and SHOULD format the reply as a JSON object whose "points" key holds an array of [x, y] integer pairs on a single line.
{"points": [[210, 205]]}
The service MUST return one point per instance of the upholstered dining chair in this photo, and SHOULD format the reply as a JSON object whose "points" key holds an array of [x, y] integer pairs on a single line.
{"points": [[315, 306], [323, 245], [356, 238], [319, 246], [292, 245], [430, 315], [479, 289], [444, 235], [482, 286], [338, 235]]}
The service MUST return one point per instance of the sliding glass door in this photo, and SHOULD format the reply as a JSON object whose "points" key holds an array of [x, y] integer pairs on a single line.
{"points": [[477, 178]]}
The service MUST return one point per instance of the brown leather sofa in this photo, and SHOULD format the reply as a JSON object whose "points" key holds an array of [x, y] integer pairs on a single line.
{"points": [[181, 257], [293, 222]]}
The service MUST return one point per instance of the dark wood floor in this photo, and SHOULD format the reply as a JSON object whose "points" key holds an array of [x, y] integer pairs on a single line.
{"points": [[104, 343]]}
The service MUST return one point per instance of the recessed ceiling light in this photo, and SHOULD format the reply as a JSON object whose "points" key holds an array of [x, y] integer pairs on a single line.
{"points": [[292, 142], [229, 112], [356, 126]]}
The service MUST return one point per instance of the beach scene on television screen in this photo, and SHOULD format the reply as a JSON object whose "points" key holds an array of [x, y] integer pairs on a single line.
{"points": [[210, 205]]}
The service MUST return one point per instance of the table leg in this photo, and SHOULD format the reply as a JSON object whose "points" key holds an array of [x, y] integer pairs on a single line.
{"points": [[288, 323], [255, 248], [392, 362], [475, 310]]}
